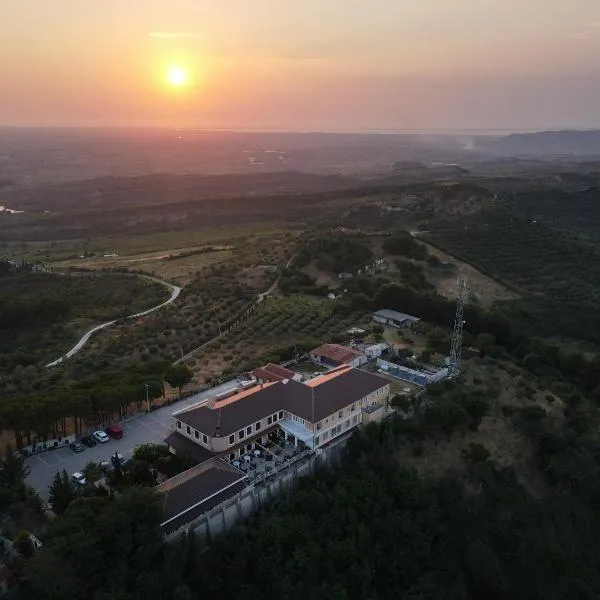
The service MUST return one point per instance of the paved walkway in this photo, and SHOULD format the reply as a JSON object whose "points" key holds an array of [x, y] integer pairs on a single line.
{"points": [[144, 428]]}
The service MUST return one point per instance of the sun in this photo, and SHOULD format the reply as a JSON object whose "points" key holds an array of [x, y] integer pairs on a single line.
{"points": [[177, 76]]}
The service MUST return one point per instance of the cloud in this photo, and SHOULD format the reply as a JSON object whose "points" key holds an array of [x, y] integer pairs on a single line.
{"points": [[171, 35]]}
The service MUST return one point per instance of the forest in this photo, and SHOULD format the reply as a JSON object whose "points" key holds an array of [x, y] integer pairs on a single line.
{"points": [[371, 528]]}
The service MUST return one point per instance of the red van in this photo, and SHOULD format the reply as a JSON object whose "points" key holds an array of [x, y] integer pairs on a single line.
{"points": [[115, 431]]}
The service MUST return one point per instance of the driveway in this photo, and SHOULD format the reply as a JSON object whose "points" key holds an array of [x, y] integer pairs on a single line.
{"points": [[142, 429]]}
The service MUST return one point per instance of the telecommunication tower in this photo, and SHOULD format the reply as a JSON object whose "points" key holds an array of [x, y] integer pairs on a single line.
{"points": [[456, 348]]}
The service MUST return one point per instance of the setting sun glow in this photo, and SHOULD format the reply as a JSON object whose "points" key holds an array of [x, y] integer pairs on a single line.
{"points": [[177, 76]]}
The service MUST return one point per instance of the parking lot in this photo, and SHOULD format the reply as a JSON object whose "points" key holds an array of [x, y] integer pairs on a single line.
{"points": [[142, 429]]}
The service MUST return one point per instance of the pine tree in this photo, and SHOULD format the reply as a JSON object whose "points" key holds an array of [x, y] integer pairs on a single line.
{"points": [[62, 493]]}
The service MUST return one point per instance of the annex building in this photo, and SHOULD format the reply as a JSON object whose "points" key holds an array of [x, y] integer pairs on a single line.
{"points": [[395, 318]]}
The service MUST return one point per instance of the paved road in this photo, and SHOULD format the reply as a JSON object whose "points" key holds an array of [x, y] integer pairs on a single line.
{"points": [[175, 291], [152, 427]]}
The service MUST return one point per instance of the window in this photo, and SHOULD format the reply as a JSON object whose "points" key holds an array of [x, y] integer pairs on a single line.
{"points": [[353, 407], [274, 418], [269, 420], [319, 426], [189, 430], [232, 457], [178, 424], [340, 414], [347, 424], [241, 434], [249, 430], [204, 439], [196, 434], [248, 447], [281, 414], [257, 426], [325, 435], [231, 439], [355, 419], [316, 440]]}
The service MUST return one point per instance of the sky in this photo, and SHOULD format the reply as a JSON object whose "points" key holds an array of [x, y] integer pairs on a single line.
{"points": [[355, 65]]}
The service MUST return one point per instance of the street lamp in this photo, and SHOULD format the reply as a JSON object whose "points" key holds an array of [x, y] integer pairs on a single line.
{"points": [[147, 386]]}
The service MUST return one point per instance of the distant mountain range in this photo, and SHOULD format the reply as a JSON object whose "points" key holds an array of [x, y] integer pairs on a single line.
{"points": [[543, 143]]}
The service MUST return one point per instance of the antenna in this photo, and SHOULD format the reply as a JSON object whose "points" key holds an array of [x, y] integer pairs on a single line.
{"points": [[456, 348]]}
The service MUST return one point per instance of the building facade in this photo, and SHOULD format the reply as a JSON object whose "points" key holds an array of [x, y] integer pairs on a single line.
{"points": [[311, 414]]}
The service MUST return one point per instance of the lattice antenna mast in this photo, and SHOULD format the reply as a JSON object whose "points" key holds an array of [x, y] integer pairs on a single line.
{"points": [[456, 348]]}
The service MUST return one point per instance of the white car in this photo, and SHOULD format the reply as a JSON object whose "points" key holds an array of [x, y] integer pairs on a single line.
{"points": [[78, 479], [100, 436]]}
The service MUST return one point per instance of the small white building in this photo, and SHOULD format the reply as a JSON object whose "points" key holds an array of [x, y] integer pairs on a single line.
{"points": [[376, 350], [395, 319]]}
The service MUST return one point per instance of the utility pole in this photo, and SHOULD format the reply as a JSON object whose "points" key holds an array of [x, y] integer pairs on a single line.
{"points": [[147, 386], [456, 348]]}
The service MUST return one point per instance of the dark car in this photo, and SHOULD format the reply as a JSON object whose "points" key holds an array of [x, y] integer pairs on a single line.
{"points": [[88, 441], [76, 447], [115, 431]]}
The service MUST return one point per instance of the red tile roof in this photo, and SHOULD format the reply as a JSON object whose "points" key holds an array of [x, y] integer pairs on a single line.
{"points": [[336, 353], [272, 372]]}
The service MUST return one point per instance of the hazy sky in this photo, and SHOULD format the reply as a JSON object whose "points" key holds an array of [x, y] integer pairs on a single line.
{"points": [[302, 64]]}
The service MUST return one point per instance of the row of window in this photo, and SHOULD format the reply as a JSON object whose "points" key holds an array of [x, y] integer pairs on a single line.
{"points": [[197, 434], [242, 433], [331, 433]]}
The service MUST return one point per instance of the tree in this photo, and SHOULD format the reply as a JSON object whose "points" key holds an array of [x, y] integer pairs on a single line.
{"points": [[62, 493], [484, 342], [402, 401], [92, 471], [476, 454], [13, 470], [23, 545], [102, 547], [139, 472], [178, 375]]}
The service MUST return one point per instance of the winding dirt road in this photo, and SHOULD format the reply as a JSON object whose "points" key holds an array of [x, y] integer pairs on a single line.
{"points": [[175, 291]]}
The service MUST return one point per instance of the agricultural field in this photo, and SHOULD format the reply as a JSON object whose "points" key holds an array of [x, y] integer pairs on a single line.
{"points": [[213, 298], [280, 328], [555, 270]]}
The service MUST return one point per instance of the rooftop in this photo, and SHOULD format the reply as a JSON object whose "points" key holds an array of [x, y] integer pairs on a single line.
{"points": [[273, 372], [336, 352], [386, 313], [312, 401], [197, 490]]}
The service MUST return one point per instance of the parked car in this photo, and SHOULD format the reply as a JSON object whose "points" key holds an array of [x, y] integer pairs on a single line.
{"points": [[88, 441], [115, 431], [100, 436], [78, 479], [106, 466], [77, 446]]}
